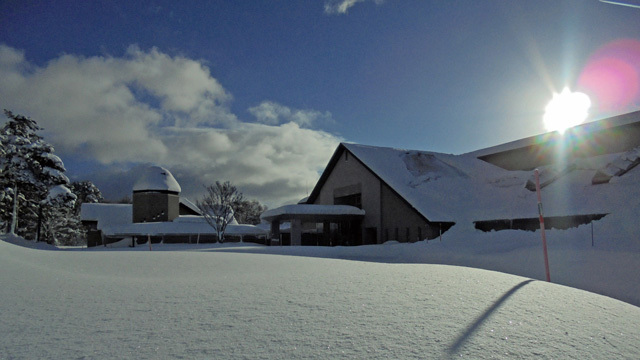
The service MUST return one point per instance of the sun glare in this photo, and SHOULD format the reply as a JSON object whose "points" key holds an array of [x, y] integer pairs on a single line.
{"points": [[565, 110]]}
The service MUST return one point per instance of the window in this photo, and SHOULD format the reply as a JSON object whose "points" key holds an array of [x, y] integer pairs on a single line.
{"points": [[353, 200]]}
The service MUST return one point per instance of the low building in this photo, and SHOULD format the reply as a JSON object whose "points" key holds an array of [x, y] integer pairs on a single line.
{"points": [[158, 214], [410, 195]]}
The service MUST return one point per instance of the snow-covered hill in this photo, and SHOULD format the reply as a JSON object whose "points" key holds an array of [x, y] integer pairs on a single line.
{"points": [[219, 304]]}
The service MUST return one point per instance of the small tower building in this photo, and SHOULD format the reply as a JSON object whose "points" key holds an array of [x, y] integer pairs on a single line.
{"points": [[156, 196]]}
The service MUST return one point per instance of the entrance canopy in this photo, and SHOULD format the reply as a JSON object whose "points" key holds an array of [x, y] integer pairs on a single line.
{"points": [[308, 213], [313, 213]]}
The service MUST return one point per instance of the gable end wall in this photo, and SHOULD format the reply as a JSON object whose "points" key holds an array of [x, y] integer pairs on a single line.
{"points": [[385, 210]]}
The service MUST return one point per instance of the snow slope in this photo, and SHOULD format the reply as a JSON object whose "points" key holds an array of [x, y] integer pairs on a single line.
{"points": [[216, 304]]}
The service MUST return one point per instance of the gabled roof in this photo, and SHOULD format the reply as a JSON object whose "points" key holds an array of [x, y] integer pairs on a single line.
{"points": [[190, 205], [454, 188]]}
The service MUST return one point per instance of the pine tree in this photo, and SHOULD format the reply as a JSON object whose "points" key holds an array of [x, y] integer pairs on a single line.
{"points": [[86, 192], [60, 224], [248, 211], [28, 169]]}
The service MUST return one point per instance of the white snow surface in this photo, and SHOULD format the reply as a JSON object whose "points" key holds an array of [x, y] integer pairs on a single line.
{"points": [[59, 190], [156, 178], [239, 302]]}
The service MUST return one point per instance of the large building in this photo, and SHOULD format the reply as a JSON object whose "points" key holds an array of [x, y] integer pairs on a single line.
{"points": [[370, 195]]}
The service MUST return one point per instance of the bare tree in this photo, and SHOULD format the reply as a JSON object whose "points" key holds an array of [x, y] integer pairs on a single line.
{"points": [[217, 206]]}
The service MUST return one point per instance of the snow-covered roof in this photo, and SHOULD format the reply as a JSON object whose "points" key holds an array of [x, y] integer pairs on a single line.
{"points": [[311, 209], [106, 214], [187, 203], [462, 188], [576, 131], [183, 225], [156, 178]]}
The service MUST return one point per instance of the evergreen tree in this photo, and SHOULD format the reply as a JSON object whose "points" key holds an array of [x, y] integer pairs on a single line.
{"points": [[28, 169], [60, 225], [248, 211], [86, 192]]}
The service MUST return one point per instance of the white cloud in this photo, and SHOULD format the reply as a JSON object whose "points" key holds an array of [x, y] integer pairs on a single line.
{"points": [[149, 107], [272, 114], [343, 6]]}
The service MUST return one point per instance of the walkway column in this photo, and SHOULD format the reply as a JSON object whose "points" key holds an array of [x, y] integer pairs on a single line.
{"points": [[275, 231], [326, 233], [296, 232]]}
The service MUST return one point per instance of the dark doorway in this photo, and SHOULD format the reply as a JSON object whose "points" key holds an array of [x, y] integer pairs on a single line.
{"points": [[371, 236]]}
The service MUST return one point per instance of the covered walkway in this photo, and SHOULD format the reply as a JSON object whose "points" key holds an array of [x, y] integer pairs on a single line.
{"points": [[341, 224]]}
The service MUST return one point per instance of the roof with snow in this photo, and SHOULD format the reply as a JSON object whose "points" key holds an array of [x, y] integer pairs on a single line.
{"points": [[156, 178], [116, 220], [455, 188], [311, 210], [107, 214], [605, 136], [183, 225]]}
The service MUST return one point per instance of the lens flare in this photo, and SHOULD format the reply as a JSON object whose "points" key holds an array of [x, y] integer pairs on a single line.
{"points": [[612, 76], [565, 110]]}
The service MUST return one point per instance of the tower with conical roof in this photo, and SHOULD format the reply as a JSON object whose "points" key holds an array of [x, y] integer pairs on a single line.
{"points": [[156, 196]]}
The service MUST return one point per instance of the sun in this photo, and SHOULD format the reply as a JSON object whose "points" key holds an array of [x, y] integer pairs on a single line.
{"points": [[565, 110]]}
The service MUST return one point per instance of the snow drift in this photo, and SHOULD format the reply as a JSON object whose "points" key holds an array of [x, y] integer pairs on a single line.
{"points": [[216, 304]]}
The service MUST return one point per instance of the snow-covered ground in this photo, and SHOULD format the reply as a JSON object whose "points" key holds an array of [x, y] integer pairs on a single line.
{"points": [[242, 301]]}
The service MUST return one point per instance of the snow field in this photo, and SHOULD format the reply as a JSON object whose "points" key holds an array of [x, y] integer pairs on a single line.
{"points": [[215, 304]]}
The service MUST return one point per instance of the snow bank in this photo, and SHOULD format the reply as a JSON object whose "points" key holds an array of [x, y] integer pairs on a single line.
{"points": [[17, 240], [214, 304]]}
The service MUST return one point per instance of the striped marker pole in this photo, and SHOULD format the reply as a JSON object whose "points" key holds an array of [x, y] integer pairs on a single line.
{"points": [[544, 236]]}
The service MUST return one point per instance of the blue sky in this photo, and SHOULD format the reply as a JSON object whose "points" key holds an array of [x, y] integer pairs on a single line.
{"points": [[261, 92]]}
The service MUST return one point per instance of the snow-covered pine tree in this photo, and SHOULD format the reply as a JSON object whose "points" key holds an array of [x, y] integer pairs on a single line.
{"points": [[28, 169], [60, 225], [86, 192], [248, 211]]}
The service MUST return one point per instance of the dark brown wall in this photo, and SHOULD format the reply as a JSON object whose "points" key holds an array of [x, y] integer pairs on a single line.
{"points": [[155, 206], [401, 222]]}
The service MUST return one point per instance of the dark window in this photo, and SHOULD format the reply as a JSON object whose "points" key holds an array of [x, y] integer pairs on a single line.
{"points": [[408, 234], [420, 233], [353, 200]]}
